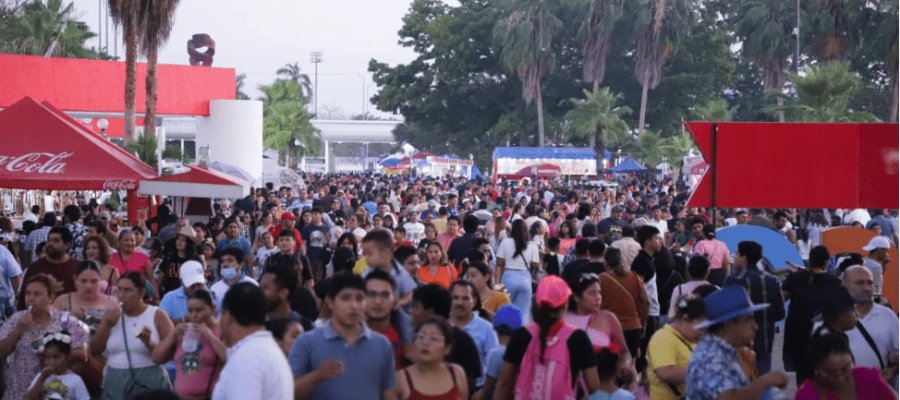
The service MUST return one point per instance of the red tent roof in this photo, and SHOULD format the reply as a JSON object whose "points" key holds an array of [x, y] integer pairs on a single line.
{"points": [[539, 171], [45, 149], [197, 182]]}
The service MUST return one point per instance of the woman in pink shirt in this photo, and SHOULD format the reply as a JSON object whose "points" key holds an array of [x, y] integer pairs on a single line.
{"points": [[835, 375], [716, 251], [197, 368], [127, 260]]}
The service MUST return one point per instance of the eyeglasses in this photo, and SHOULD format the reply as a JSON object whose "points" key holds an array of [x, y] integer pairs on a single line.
{"points": [[430, 338]]}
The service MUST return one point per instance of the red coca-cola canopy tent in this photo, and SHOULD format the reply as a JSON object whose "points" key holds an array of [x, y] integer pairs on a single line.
{"points": [[45, 149]]}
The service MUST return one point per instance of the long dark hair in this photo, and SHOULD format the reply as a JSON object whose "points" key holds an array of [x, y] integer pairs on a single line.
{"points": [[544, 316], [520, 236]]}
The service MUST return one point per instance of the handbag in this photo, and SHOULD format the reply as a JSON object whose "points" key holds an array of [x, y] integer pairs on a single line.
{"points": [[133, 387]]}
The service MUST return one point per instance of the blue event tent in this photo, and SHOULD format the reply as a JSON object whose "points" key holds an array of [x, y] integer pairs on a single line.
{"points": [[627, 165]]}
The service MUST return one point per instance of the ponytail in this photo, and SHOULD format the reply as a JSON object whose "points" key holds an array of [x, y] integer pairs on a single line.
{"points": [[544, 316]]}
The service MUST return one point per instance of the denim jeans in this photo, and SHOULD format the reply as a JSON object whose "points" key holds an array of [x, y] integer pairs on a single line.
{"points": [[518, 283]]}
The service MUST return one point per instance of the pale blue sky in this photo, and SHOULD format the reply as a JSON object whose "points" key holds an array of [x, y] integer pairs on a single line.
{"points": [[257, 37]]}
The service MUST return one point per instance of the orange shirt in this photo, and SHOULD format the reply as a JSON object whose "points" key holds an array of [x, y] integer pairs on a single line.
{"points": [[446, 274]]}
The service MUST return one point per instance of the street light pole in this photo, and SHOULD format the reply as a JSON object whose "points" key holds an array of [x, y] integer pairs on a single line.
{"points": [[316, 58]]}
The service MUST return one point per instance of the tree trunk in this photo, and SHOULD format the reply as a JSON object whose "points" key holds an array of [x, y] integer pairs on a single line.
{"points": [[894, 100], [292, 156], [540, 115], [644, 92], [150, 112], [780, 109], [130, 78], [599, 145], [596, 86]]}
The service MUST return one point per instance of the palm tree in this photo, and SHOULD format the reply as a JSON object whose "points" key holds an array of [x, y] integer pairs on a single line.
{"points": [[125, 14], [286, 122], [39, 27], [764, 27], [662, 22], [599, 117], [156, 18], [675, 148], [715, 110], [596, 32], [292, 73], [239, 87], [880, 42], [648, 148], [824, 94], [525, 39]]}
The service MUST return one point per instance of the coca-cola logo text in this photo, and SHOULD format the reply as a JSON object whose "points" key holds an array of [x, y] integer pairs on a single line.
{"points": [[119, 184], [36, 163]]}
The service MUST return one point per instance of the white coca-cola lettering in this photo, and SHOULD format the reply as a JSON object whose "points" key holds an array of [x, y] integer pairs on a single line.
{"points": [[36, 163], [119, 184]]}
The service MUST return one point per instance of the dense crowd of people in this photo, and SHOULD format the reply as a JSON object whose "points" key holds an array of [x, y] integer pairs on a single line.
{"points": [[359, 287]]}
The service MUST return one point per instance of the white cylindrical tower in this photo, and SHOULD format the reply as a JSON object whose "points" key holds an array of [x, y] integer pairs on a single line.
{"points": [[234, 133]]}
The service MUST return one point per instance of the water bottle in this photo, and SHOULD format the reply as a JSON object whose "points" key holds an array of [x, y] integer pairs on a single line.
{"points": [[190, 341]]}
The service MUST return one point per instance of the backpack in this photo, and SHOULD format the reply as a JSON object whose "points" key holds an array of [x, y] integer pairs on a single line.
{"points": [[552, 378]]}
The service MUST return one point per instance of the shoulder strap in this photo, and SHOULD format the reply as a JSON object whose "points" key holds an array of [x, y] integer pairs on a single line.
{"points": [[870, 341], [69, 301], [409, 380], [109, 281], [613, 278]]}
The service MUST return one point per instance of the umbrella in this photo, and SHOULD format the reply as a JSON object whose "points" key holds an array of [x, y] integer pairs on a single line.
{"points": [[232, 170], [776, 247]]}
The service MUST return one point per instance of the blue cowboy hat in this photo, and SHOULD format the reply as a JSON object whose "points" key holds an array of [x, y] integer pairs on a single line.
{"points": [[726, 304]]}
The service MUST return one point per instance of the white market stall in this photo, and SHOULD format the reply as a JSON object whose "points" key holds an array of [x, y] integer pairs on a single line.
{"points": [[572, 161]]}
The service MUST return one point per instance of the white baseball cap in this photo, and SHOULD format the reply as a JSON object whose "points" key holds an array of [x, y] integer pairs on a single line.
{"points": [[191, 273], [877, 242]]}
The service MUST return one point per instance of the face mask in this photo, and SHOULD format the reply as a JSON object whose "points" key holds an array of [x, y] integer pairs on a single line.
{"points": [[229, 273]]}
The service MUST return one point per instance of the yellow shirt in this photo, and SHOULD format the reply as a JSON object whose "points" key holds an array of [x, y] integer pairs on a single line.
{"points": [[360, 266], [497, 300], [666, 348]]}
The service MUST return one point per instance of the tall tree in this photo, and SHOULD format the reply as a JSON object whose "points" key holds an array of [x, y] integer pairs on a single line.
{"points": [[599, 117], [824, 94], [292, 72], [662, 22], [525, 38], [715, 110], [125, 13], [156, 17], [36, 27], [765, 26], [239, 87], [286, 122], [596, 33]]}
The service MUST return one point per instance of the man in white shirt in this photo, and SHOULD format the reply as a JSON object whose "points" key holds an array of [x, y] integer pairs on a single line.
{"points": [[659, 221], [32, 214], [415, 231], [256, 367], [627, 245], [231, 272], [878, 248], [879, 322]]}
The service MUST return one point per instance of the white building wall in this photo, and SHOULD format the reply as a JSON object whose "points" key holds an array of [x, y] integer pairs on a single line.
{"points": [[234, 133]]}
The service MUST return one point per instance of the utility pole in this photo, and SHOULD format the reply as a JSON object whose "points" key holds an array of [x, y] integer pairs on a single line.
{"points": [[316, 58]]}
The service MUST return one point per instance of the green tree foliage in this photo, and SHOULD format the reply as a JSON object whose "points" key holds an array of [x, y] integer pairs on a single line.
{"points": [[525, 38], [459, 94], [286, 121], [31, 28], [824, 94], [598, 116], [145, 148], [293, 73], [239, 87], [715, 110]]}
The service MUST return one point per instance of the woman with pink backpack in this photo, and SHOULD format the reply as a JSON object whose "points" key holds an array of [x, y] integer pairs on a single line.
{"points": [[545, 358]]}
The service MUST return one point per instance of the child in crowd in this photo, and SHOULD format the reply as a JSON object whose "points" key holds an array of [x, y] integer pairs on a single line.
{"points": [[607, 368], [56, 380], [552, 260], [506, 321]]}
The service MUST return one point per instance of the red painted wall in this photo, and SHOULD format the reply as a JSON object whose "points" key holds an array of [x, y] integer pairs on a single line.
{"points": [[91, 85]]}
